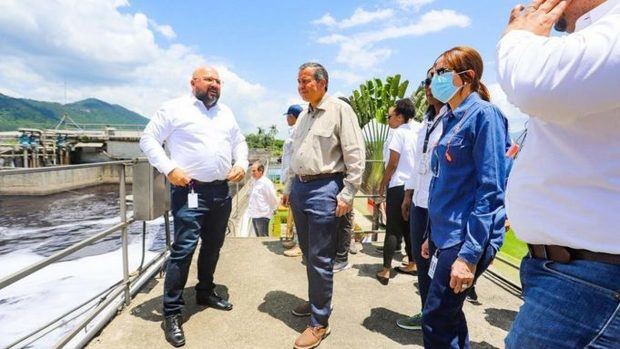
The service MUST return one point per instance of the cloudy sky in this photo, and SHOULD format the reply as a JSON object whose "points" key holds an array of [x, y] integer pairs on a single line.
{"points": [[140, 53]]}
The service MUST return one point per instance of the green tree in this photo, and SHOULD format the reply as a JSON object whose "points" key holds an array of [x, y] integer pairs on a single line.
{"points": [[420, 102], [371, 103]]}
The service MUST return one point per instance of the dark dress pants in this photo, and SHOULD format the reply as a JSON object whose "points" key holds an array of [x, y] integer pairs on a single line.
{"points": [[418, 222], [208, 221], [345, 232], [396, 228], [314, 209], [443, 320], [261, 226]]}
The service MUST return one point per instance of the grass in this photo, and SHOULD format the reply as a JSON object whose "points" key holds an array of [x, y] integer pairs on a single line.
{"points": [[513, 247]]}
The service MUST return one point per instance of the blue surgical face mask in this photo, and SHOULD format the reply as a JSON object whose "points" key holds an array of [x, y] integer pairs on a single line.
{"points": [[443, 88]]}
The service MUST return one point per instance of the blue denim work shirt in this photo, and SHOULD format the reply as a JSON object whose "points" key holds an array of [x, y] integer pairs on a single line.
{"points": [[469, 165]]}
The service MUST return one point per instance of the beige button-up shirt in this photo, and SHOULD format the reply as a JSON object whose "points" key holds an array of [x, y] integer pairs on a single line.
{"points": [[328, 139]]}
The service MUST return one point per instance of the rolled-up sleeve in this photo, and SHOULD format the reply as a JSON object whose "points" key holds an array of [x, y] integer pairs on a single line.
{"points": [[155, 133], [353, 153], [561, 78], [490, 164]]}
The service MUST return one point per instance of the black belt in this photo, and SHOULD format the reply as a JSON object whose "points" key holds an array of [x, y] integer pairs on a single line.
{"points": [[209, 184], [563, 254], [310, 178]]}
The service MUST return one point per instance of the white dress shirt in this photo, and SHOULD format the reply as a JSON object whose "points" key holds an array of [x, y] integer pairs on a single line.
{"points": [[401, 140], [420, 180], [263, 200], [564, 188], [202, 142], [287, 150]]}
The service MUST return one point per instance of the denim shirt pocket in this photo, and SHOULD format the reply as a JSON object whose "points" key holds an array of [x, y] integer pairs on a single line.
{"points": [[458, 150]]}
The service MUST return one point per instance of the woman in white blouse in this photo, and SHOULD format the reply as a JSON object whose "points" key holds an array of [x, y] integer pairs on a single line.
{"points": [[398, 155]]}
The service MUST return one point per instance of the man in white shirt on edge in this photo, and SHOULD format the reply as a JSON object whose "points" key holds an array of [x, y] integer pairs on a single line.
{"points": [[563, 193], [203, 138], [290, 239], [263, 200]]}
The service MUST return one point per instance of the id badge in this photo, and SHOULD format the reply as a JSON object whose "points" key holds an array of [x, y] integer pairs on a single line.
{"points": [[192, 199], [423, 164], [433, 266]]}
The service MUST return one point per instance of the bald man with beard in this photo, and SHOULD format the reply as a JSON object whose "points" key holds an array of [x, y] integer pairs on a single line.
{"points": [[207, 149]]}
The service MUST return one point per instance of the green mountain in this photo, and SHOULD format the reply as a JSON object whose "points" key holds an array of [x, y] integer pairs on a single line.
{"points": [[18, 112]]}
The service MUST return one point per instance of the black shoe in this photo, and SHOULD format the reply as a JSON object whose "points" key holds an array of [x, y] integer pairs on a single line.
{"points": [[174, 331], [472, 296], [213, 301]]}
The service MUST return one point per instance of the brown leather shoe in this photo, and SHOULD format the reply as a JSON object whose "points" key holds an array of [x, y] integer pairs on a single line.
{"points": [[311, 337]]}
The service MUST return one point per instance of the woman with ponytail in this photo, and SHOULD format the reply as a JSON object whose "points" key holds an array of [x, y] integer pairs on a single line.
{"points": [[466, 202]]}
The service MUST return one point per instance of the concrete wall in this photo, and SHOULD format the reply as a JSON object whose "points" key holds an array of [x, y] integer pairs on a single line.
{"points": [[124, 149], [45, 183]]}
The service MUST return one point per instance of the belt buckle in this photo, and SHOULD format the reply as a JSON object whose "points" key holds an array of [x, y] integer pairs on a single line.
{"points": [[301, 179]]}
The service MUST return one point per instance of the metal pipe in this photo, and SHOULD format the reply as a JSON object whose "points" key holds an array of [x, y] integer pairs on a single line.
{"points": [[113, 297], [139, 282], [124, 237], [57, 319], [69, 167], [59, 255]]}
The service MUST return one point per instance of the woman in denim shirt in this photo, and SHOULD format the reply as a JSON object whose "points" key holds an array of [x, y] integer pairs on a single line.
{"points": [[466, 202]]}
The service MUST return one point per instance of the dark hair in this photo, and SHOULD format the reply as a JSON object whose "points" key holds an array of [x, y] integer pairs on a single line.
{"points": [[406, 108], [345, 99], [463, 58], [259, 166], [320, 73]]}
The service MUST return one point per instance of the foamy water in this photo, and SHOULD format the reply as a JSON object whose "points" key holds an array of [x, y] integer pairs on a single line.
{"points": [[33, 228]]}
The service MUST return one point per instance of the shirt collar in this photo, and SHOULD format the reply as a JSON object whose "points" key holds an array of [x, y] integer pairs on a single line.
{"points": [[444, 109], [463, 107], [319, 106], [197, 102], [595, 14]]}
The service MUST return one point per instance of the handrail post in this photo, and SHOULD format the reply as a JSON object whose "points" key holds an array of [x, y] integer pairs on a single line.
{"points": [[124, 237]]}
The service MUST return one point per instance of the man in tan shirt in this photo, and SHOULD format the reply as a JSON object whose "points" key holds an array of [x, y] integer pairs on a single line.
{"points": [[323, 177]]}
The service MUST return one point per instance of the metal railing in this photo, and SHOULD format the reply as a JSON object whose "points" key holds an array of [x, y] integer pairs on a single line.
{"points": [[123, 290]]}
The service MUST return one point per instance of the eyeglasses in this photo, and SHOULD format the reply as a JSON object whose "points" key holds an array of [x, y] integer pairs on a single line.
{"points": [[426, 82], [441, 71], [210, 80]]}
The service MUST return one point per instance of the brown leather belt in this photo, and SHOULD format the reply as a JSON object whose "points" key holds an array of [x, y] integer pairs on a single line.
{"points": [[566, 254], [310, 178]]}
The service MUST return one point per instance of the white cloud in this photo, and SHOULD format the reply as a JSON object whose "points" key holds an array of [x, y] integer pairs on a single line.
{"points": [[415, 4], [332, 39], [349, 78], [516, 119], [326, 20], [360, 51], [359, 17], [111, 55], [164, 30]]}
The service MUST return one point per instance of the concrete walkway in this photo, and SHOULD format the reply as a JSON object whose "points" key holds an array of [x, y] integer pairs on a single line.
{"points": [[263, 285]]}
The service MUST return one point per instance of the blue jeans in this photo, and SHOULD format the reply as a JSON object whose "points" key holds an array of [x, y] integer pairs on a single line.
{"points": [[418, 222], [314, 209], [567, 305], [443, 320], [208, 222], [261, 226]]}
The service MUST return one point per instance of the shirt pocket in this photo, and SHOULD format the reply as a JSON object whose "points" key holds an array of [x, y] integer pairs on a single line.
{"points": [[458, 150], [324, 138]]}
